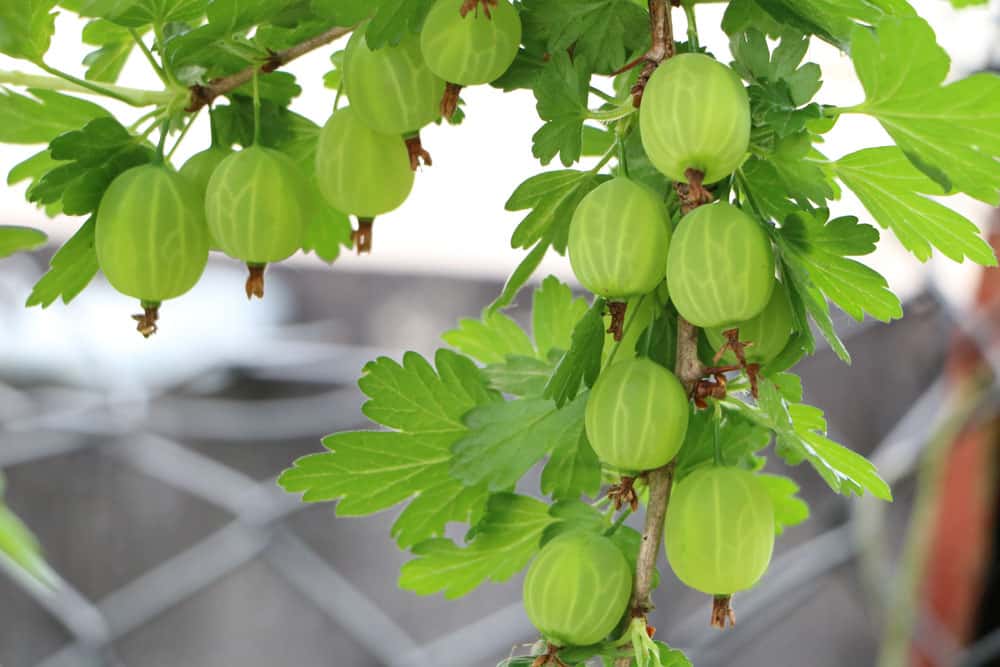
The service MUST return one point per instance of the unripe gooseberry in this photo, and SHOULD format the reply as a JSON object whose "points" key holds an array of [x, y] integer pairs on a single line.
{"points": [[200, 167], [151, 238], [618, 239], [472, 49], [636, 415], [720, 268], [577, 589], [695, 114], [360, 171], [719, 530], [258, 205], [392, 88], [768, 332]]}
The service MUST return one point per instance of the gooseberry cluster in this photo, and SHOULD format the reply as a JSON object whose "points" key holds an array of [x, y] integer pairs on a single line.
{"points": [[717, 266], [255, 205]]}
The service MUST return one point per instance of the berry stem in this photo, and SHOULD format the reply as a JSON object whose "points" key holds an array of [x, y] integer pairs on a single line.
{"points": [[722, 611], [255, 281], [204, 95], [363, 235]]}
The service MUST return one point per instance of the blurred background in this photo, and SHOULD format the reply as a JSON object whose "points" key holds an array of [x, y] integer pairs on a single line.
{"points": [[146, 468]]}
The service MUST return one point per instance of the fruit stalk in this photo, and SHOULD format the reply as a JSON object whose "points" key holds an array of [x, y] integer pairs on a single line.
{"points": [[202, 96]]}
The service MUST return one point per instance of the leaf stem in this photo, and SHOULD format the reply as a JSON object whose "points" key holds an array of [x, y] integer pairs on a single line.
{"points": [[256, 109], [160, 72], [65, 83], [184, 133], [609, 115], [692, 26]]}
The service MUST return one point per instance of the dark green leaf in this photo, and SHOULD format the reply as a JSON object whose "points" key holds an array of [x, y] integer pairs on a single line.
{"points": [[561, 92]]}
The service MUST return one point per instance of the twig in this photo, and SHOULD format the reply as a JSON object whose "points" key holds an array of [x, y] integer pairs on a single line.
{"points": [[661, 29], [202, 96]]}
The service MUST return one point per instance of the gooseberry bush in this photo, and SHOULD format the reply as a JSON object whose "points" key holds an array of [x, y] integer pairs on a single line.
{"points": [[699, 221]]}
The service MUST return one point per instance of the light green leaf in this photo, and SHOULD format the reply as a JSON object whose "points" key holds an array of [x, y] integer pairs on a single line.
{"points": [[72, 269], [116, 45], [950, 132], [891, 188], [520, 376], [506, 539], [490, 340], [42, 116], [369, 471], [799, 430], [19, 239], [821, 250], [507, 438], [26, 28], [552, 198], [581, 363], [555, 313], [789, 510], [20, 547]]}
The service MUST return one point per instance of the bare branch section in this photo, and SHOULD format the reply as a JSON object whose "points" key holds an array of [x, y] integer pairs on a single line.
{"points": [[202, 96]]}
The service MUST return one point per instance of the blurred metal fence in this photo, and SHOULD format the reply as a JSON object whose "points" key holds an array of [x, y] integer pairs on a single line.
{"points": [[152, 431]]}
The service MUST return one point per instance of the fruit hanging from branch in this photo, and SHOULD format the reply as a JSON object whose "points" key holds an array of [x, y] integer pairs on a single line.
{"points": [[151, 238], [258, 206]]}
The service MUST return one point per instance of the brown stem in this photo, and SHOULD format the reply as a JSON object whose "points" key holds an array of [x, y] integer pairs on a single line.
{"points": [[202, 96], [255, 281], [363, 235], [417, 152], [617, 310], [661, 29], [722, 611], [449, 101], [147, 321], [688, 367]]}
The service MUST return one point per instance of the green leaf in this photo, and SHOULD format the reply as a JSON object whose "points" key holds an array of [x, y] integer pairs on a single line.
{"points": [[561, 92], [671, 657], [800, 430], [26, 28], [573, 470], [90, 159], [506, 539], [739, 439], [554, 315], [834, 20], [327, 233], [507, 438], [490, 340], [72, 269], [44, 115], [818, 249], [891, 188], [116, 45], [552, 198], [19, 239], [139, 13], [602, 33], [394, 20], [20, 547], [520, 277], [788, 509], [947, 131], [581, 363], [369, 471], [520, 376]]}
